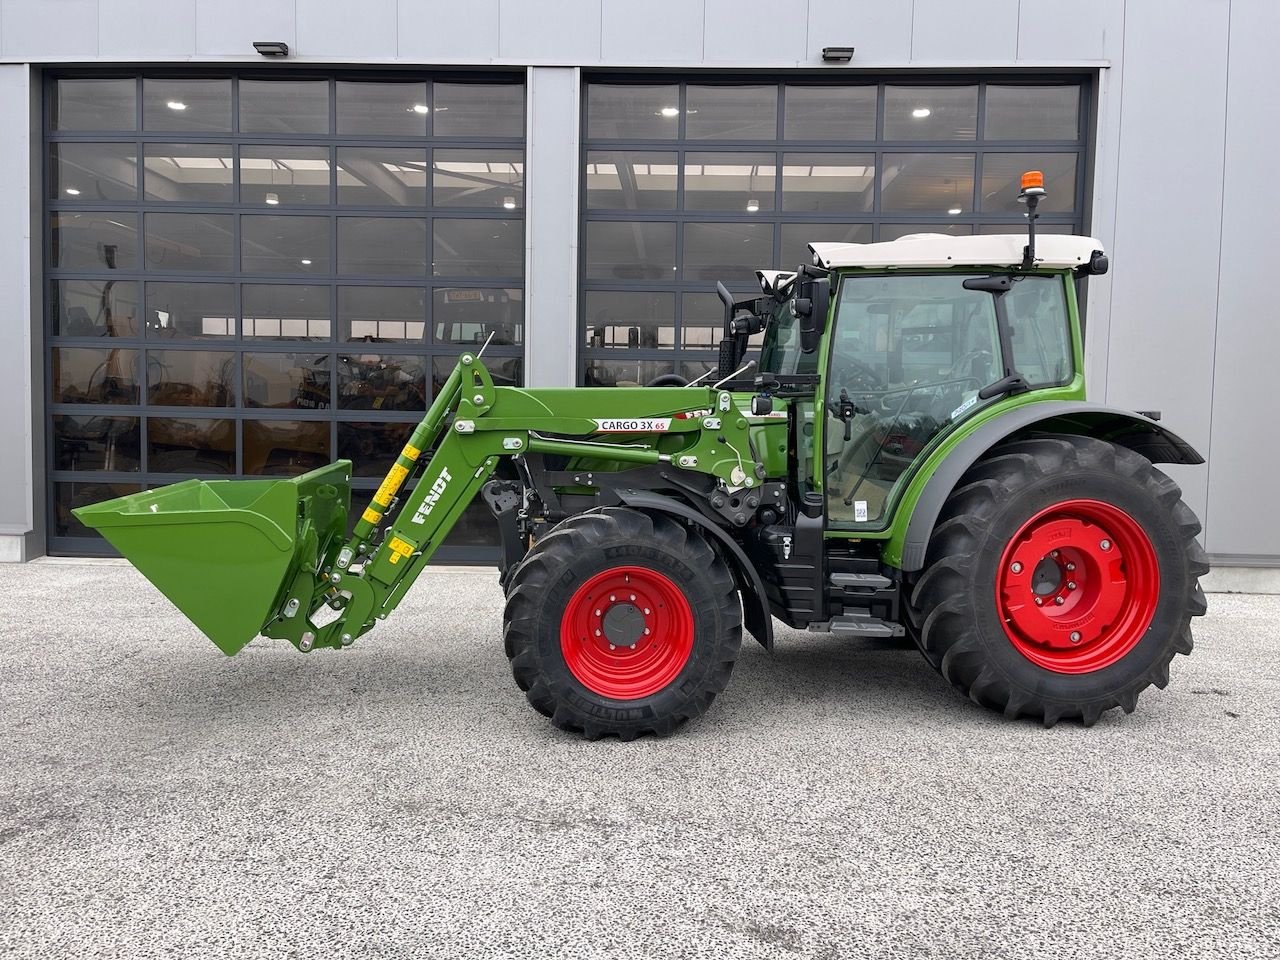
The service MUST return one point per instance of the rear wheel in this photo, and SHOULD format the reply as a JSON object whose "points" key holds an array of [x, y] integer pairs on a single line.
{"points": [[618, 622], [1061, 580]]}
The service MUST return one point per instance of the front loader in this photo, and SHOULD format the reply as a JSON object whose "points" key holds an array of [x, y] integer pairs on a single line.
{"points": [[911, 455]]}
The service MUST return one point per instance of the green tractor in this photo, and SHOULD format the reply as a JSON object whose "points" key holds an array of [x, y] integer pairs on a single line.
{"points": [[911, 456]]}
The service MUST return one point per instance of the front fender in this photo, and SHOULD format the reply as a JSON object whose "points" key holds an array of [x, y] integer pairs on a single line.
{"points": [[1140, 434]]}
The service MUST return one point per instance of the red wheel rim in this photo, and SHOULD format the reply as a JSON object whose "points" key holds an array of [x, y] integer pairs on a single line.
{"points": [[1077, 587], [627, 633]]}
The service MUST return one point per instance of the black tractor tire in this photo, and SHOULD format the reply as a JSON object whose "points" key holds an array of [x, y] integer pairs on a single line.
{"points": [[568, 670], [968, 609]]}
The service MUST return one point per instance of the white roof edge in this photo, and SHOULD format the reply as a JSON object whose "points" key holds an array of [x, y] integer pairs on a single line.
{"points": [[940, 250]]}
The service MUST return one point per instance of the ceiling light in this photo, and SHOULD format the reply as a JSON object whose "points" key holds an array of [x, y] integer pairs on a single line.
{"points": [[72, 192], [669, 112], [305, 263], [955, 211], [419, 108], [921, 112], [176, 105], [508, 203], [273, 198], [271, 48], [753, 206]]}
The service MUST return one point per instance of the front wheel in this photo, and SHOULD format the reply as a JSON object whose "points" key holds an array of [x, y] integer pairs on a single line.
{"points": [[622, 623], [1061, 580]]}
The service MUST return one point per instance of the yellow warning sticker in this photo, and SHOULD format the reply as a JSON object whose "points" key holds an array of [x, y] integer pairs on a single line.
{"points": [[399, 548], [370, 515], [410, 452], [395, 477]]}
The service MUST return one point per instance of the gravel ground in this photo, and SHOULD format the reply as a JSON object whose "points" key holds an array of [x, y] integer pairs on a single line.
{"points": [[401, 799]]}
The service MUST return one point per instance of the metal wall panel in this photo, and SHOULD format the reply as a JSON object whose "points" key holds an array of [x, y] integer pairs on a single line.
{"points": [[1089, 30], [567, 31], [1245, 457], [551, 239], [58, 28], [761, 30], [229, 27], [976, 30], [138, 29], [880, 31], [341, 32], [445, 31], [641, 33], [1168, 218]]}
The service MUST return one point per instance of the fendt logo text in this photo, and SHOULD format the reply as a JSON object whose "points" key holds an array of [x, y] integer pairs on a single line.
{"points": [[433, 496]]}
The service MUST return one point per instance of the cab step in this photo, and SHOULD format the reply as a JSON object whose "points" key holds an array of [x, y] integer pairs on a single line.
{"points": [[862, 624], [860, 582]]}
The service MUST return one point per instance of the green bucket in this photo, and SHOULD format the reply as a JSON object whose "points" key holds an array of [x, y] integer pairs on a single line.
{"points": [[224, 551]]}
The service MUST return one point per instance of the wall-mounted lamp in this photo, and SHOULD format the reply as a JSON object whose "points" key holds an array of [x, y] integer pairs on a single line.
{"points": [[830, 54], [275, 48]]}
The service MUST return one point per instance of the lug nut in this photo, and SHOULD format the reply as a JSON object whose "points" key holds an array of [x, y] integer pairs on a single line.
{"points": [[612, 647], [1039, 601], [633, 596], [1070, 567], [1071, 584], [613, 599], [1059, 601], [1053, 553], [1016, 567], [1105, 544], [646, 631], [632, 647], [1075, 636], [597, 633], [646, 611], [597, 613]]}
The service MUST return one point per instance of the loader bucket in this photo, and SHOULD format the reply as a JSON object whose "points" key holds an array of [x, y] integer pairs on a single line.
{"points": [[224, 551]]}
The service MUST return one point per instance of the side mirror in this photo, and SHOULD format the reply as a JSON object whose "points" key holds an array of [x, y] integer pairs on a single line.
{"points": [[810, 310]]}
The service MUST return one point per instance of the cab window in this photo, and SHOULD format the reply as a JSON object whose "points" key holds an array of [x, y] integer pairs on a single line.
{"points": [[1038, 331]]}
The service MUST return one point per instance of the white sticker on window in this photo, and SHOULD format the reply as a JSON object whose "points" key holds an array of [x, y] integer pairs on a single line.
{"points": [[860, 511], [964, 406]]}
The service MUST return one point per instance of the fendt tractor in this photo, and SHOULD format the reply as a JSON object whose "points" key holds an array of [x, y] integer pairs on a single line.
{"points": [[911, 455]]}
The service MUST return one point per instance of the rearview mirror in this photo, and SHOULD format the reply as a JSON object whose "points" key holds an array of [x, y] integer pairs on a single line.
{"points": [[810, 310]]}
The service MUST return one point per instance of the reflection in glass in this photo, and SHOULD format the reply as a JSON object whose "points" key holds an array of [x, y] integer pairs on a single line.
{"points": [[1002, 175], [282, 107], [1030, 112], [382, 246], [382, 176], [630, 111], [190, 445], [282, 244], [96, 443], [630, 251], [624, 372], [732, 182], [94, 308], [293, 381], [285, 448], [382, 108], [190, 311], [478, 109], [896, 231], [190, 378], [379, 381], [475, 528], [291, 311], [930, 112], [171, 103], [829, 113], [934, 183], [190, 242], [732, 112], [478, 178], [702, 320], [828, 182], [284, 175], [94, 240], [372, 447], [98, 104], [506, 370], [633, 320], [69, 496], [796, 238], [188, 172], [726, 251], [376, 314], [478, 248], [93, 375], [474, 314], [93, 171], [631, 180]]}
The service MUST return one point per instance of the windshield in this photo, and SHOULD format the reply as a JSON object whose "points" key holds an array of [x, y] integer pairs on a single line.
{"points": [[781, 352]]}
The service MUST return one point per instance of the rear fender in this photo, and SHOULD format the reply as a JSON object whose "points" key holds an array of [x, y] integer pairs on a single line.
{"points": [[1140, 434]]}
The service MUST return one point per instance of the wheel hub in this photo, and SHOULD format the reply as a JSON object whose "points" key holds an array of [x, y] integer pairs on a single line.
{"points": [[1077, 587], [627, 632]]}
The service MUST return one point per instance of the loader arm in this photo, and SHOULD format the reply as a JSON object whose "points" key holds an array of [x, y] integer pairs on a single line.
{"points": [[471, 425]]}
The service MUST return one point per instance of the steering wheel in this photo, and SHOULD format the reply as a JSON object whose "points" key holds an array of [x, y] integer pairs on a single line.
{"points": [[668, 380], [859, 376]]}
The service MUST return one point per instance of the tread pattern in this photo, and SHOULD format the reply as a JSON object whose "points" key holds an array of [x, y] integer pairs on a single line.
{"points": [[529, 614], [940, 609]]}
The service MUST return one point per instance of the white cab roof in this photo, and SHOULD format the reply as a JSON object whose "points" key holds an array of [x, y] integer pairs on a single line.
{"points": [[941, 250]]}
